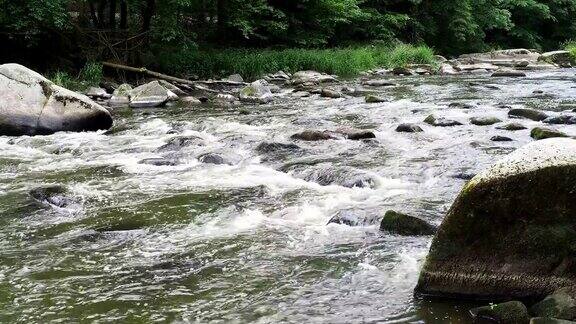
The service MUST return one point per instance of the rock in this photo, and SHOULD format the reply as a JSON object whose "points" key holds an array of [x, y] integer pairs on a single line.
{"points": [[312, 77], [499, 138], [378, 83], [402, 71], [32, 105], [178, 143], [159, 162], [121, 96], [312, 135], [461, 105], [374, 99], [441, 122], [325, 175], [508, 73], [329, 93], [278, 76], [225, 98], [212, 158], [562, 58], [355, 134], [495, 57], [53, 195], [190, 100], [235, 78], [109, 86], [561, 304], [477, 66], [267, 147], [547, 320], [354, 218], [464, 176], [540, 133], [531, 114], [484, 121], [447, 69], [97, 93], [562, 119], [172, 88], [151, 94], [409, 128], [257, 91], [513, 312], [401, 224], [512, 127], [440, 58], [511, 232]]}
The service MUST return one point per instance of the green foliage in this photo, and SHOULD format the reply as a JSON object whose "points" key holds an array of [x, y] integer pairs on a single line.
{"points": [[571, 47], [252, 64], [89, 76]]}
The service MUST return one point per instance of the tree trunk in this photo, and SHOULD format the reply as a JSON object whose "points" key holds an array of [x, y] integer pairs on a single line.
{"points": [[93, 15], [147, 15], [221, 8], [123, 14], [101, 11], [112, 14]]}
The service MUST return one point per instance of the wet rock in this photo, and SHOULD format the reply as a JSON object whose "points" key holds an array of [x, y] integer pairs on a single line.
{"points": [[485, 67], [326, 175], [540, 133], [401, 224], [484, 121], [374, 99], [97, 93], [329, 93], [561, 304], [177, 143], [464, 176], [512, 127], [402, 71], [32, 105], [121, 96], [159, 161], [441, 122], [277, 77], [235, 78], [379, 83], [513, 312], [355, 134], [409, 128], [213, 158], [190, 100], [499, 138], [312, 77], [267, 147], [172, 88], [511, 232], [531, 114], [460, 105], [313, 135], [548, 320], [562, 58], [447, 69], [440, 58], [225, 98], [354, 218], [562, 119], [509, 73], [257, 91], [53, 195], [495, 57], [151, 94]]}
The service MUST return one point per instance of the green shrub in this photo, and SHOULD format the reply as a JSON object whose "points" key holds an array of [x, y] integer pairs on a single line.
{"points": [[90, 75], [571, 47]]}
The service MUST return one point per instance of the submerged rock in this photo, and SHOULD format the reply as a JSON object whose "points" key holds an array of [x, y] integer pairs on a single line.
{"points": [[53, 195], [355, 134], [561, 304], [540, 133], [213, 158], [329, 93], [441, 122], [562, 119], [512, 127], [513, 312], [509, 73], [401, 224], [531, 114], [159, 162], [511, 231], [313, 135], [354, 218], [379, 83], [374, 99], [484, 121], [499, 138], [409, 128], [30, 104], [180, 142], [326, 175]]}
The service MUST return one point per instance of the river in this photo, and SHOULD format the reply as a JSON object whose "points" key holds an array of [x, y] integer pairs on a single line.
{"points": [[249, 241]]}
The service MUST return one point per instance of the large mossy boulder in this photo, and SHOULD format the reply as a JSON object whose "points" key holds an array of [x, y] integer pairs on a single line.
{"points": [[30, 104], [511, 233]]}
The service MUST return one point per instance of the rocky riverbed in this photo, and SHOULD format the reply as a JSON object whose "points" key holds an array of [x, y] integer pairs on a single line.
{"points": [[259, 210]]}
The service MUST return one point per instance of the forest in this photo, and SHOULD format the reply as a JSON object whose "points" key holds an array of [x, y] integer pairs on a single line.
{"points": [[173, 34]]}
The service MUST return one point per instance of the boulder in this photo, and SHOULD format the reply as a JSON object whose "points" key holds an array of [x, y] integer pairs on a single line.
{"points": [[441, 122], [401, 224], [355, 134], [447, 69], [512, 312], [97, 93], [499, 138], [374, 99], [508, 73], [562, 58], [234, 78], [511, 233], [313, 135], [30, 104], [531, 114], [501, 56], [121, 96], [512, 127], [329, 93], [540, 133], [257, 92], [561, 304], [312, 77], [172, 88], [562, 119], [484, 121], [409, 128], [151, 94]]}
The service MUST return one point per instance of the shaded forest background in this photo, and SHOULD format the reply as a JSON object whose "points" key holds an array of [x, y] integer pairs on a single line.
{"points": [[66, 33]]}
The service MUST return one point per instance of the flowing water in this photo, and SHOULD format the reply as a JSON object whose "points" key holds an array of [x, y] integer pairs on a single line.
{"points": [[248, 240]]}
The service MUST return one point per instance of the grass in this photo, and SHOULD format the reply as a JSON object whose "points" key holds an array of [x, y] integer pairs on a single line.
{"points": [[90, 75], [571, 47], [252, 64]]}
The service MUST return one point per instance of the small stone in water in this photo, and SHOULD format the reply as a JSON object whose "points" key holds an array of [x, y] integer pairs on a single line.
{"points": [[512, 127], [484, 121], [498, 138], [409, 128]]}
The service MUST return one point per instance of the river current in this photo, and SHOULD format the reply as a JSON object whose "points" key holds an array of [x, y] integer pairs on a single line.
{"points": [[249, 240]]}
